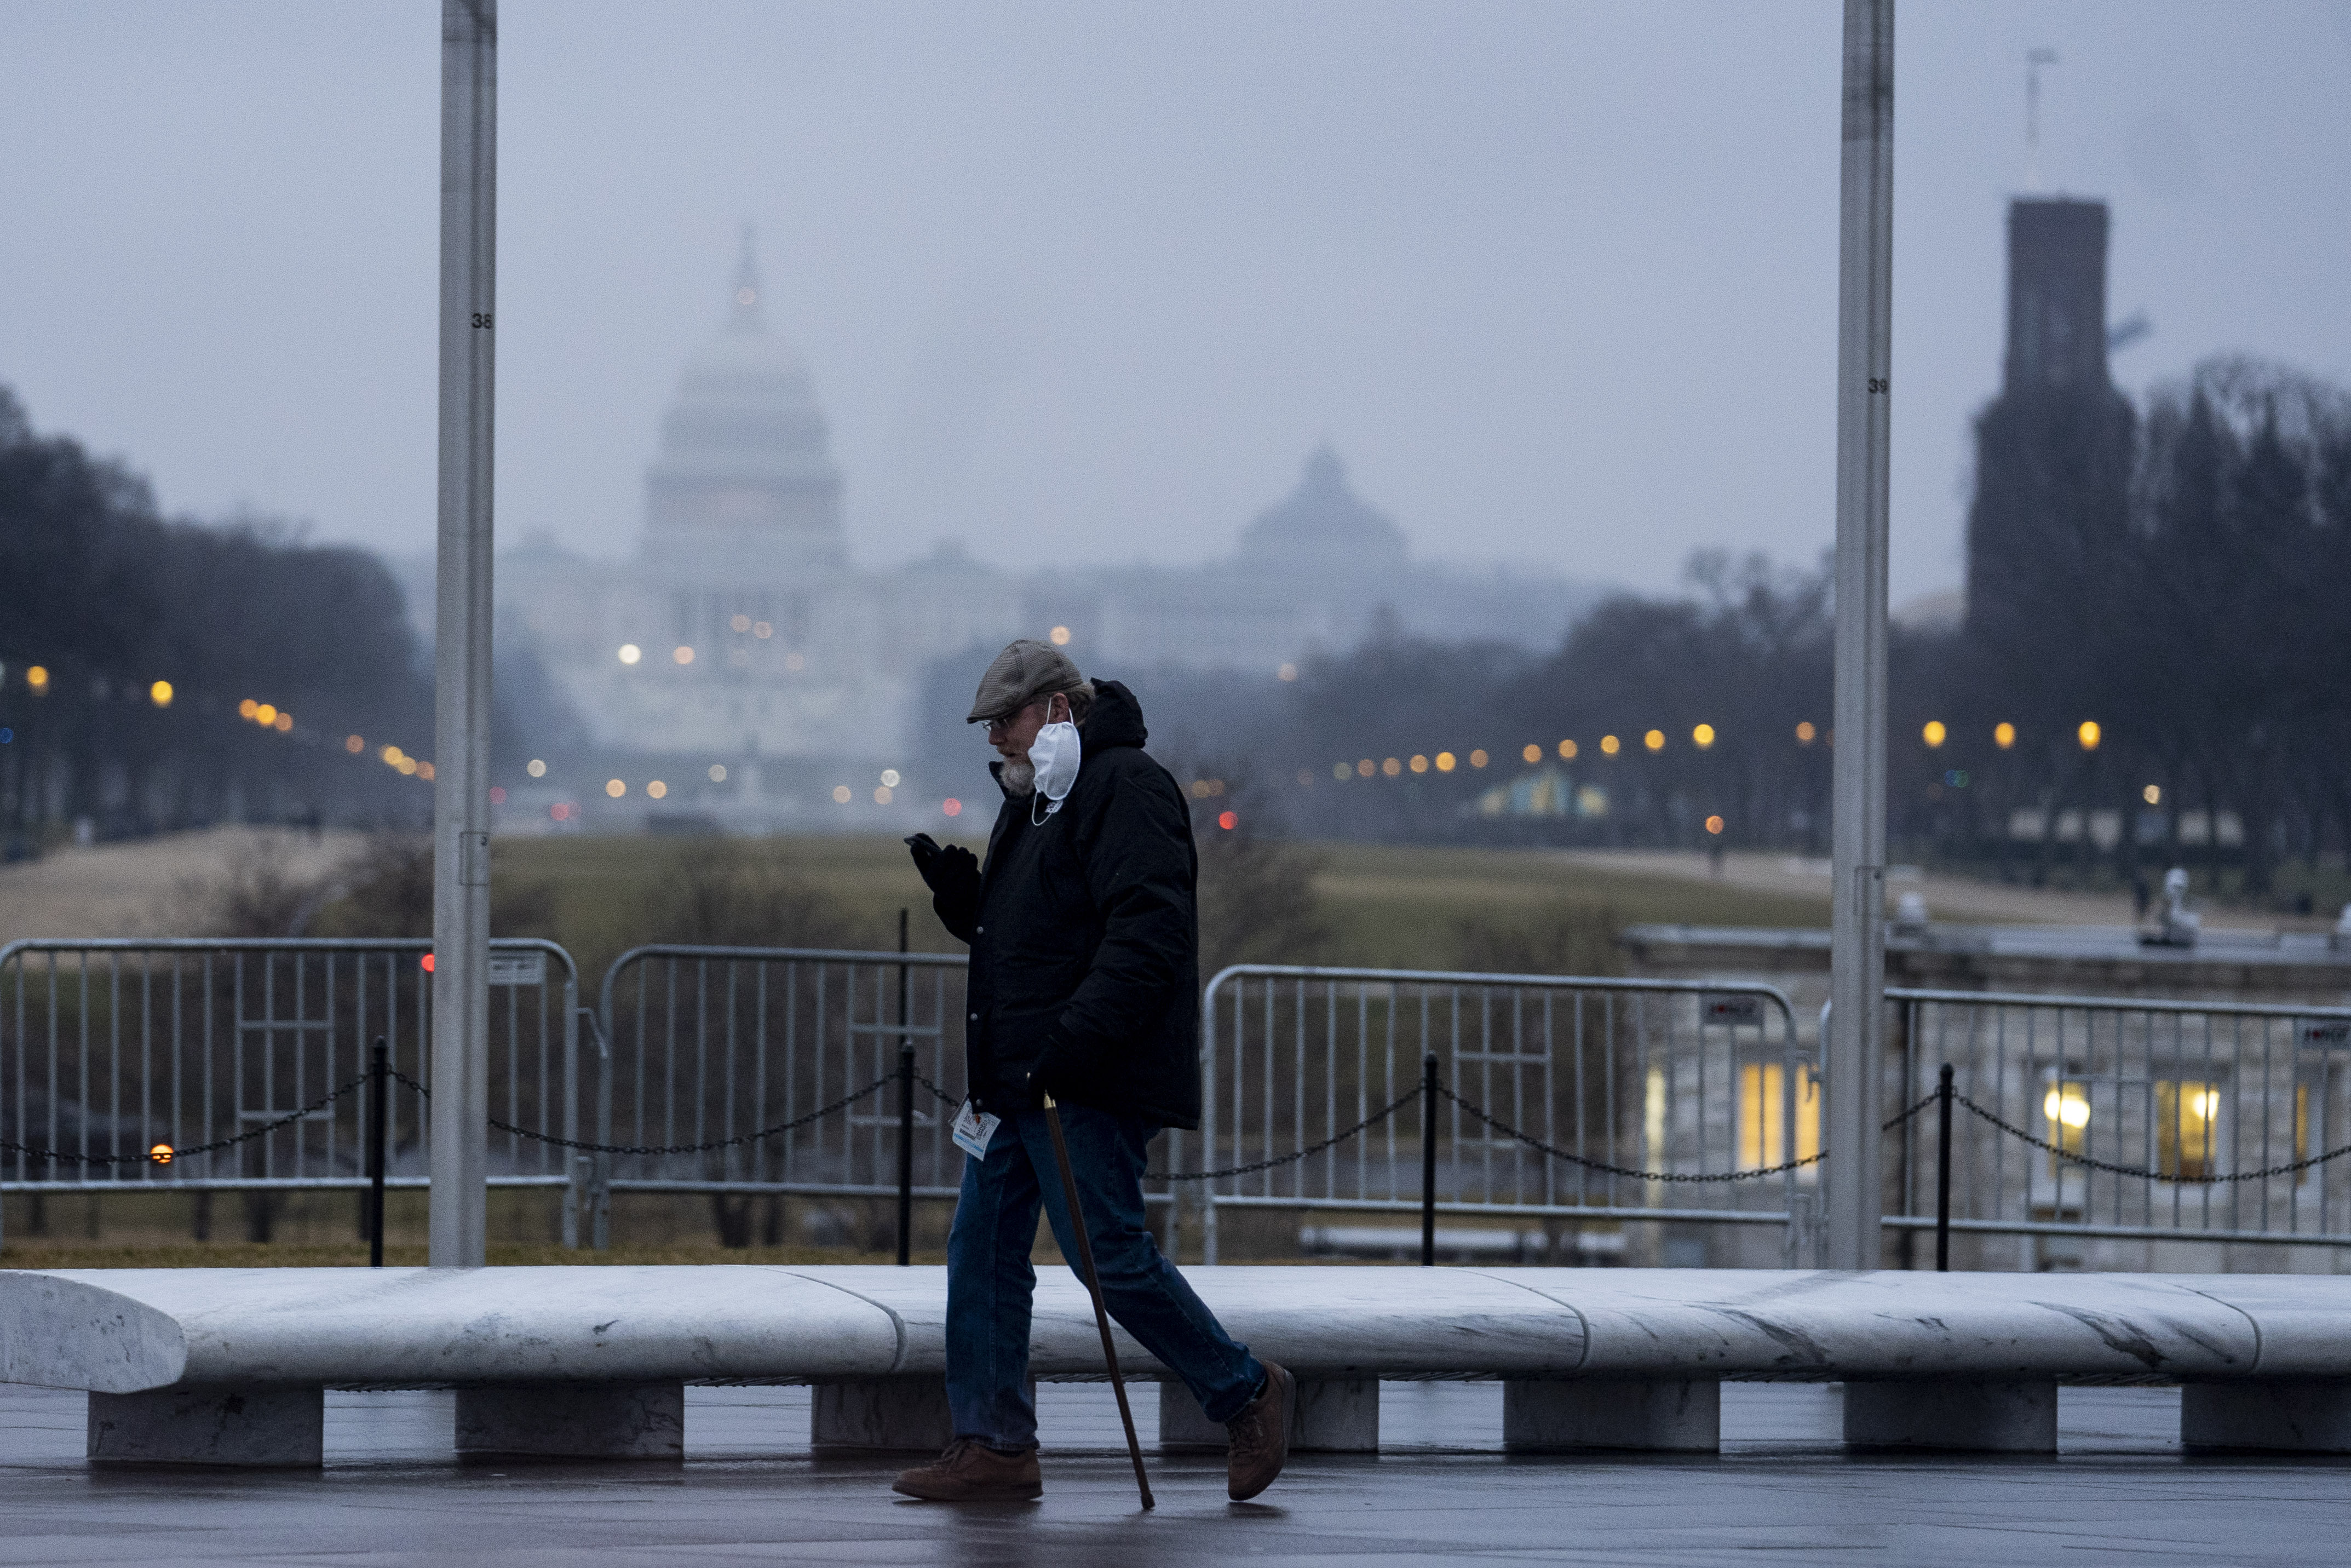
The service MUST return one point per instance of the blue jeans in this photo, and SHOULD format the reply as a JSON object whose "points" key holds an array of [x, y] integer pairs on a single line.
{"points": [[991, 1282]]}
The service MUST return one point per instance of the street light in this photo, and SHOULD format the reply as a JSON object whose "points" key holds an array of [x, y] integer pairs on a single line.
{"points": [[1703, 735], [2004, 735], [159, 694], [1935, 733], [2088, 734]]}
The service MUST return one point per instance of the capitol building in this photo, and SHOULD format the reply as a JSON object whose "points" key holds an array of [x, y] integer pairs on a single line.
{"points": [[743, 672]]}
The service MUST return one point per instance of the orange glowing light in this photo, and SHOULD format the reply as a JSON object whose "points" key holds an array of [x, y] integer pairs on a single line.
{"points": [[425, 963], [1227, 820], [161, 1153]]}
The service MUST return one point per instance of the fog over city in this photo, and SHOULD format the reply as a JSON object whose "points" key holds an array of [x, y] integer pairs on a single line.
{"points": [[1089, 283]]}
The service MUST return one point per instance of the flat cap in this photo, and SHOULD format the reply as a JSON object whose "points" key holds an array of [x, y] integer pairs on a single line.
{"points": [[1025, 671]]}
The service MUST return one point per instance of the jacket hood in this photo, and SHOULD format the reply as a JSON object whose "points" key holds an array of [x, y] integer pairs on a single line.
{"points": [[1114, 720]]}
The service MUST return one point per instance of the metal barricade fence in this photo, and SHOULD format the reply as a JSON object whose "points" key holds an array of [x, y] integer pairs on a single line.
{"points": [[204, 1064], [1573, 1097], [762, 1070], [2092, 1116]]}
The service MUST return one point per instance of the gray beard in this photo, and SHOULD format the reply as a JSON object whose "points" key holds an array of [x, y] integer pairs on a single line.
{"points": [[1020, 779]]}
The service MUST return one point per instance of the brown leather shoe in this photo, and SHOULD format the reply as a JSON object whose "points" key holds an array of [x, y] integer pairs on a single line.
{"points": [[971, 1471], [1260, 1436]]}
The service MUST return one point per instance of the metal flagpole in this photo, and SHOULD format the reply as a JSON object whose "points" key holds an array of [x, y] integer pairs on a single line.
{"points": [[1854, 1047], [460, 673]]}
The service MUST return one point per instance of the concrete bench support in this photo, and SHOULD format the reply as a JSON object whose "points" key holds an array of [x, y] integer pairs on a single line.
{"points": [[572, 1421], [1334, 1415], [1975, 1418], [2297, 1417], [1603, 1413], [908, 1414], [257, 1428]]}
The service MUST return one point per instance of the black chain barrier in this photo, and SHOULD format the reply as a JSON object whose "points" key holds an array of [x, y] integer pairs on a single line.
{"points": [[1390, 1109], [145, 1156], [1589, 1164], [2139, 1171], [740, 1138]]}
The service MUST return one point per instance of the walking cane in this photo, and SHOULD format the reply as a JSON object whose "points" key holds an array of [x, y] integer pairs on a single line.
{"points": [[1094, 1288]]}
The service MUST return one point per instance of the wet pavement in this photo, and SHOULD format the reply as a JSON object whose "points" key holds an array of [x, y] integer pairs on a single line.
{"points": [[1441, 1491]]}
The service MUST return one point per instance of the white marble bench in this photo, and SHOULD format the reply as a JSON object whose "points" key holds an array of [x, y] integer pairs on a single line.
{"points": [[228, 1366]]}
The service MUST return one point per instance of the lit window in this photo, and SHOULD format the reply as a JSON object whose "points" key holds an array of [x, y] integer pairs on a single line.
{"points": [[1763, 1118], [2066, 1109], [2186, 1113], [536, 768], [719, 773], [657, 789], [630, 653], [1445, 762]]}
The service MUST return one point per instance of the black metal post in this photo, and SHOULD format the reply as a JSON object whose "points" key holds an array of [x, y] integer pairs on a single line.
{"points": [[1943, 1172], [905, 1114], [1428, 1161], [378, 1105]]}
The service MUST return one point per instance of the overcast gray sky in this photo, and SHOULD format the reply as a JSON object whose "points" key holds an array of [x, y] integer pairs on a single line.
{"points": [[1088, 280]]}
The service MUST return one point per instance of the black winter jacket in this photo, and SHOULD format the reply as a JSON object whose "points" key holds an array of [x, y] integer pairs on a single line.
{"points": [[1085, 937]]}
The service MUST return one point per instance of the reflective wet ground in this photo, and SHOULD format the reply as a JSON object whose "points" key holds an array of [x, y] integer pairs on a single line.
{"points": [[1441, 1492]]}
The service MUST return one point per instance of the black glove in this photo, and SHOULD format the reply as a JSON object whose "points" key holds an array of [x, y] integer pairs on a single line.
{"points": [[952, 867]]}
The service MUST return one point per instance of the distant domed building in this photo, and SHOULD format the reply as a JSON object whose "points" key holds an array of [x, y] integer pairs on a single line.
{"points": [[739, 661], [1323, 527], [740, 671]]}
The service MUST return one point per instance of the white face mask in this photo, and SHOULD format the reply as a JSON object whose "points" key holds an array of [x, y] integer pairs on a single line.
{"points": [[1054, 754]]}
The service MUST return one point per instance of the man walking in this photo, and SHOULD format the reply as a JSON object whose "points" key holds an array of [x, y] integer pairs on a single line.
{"points": [[1084, 983]]}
